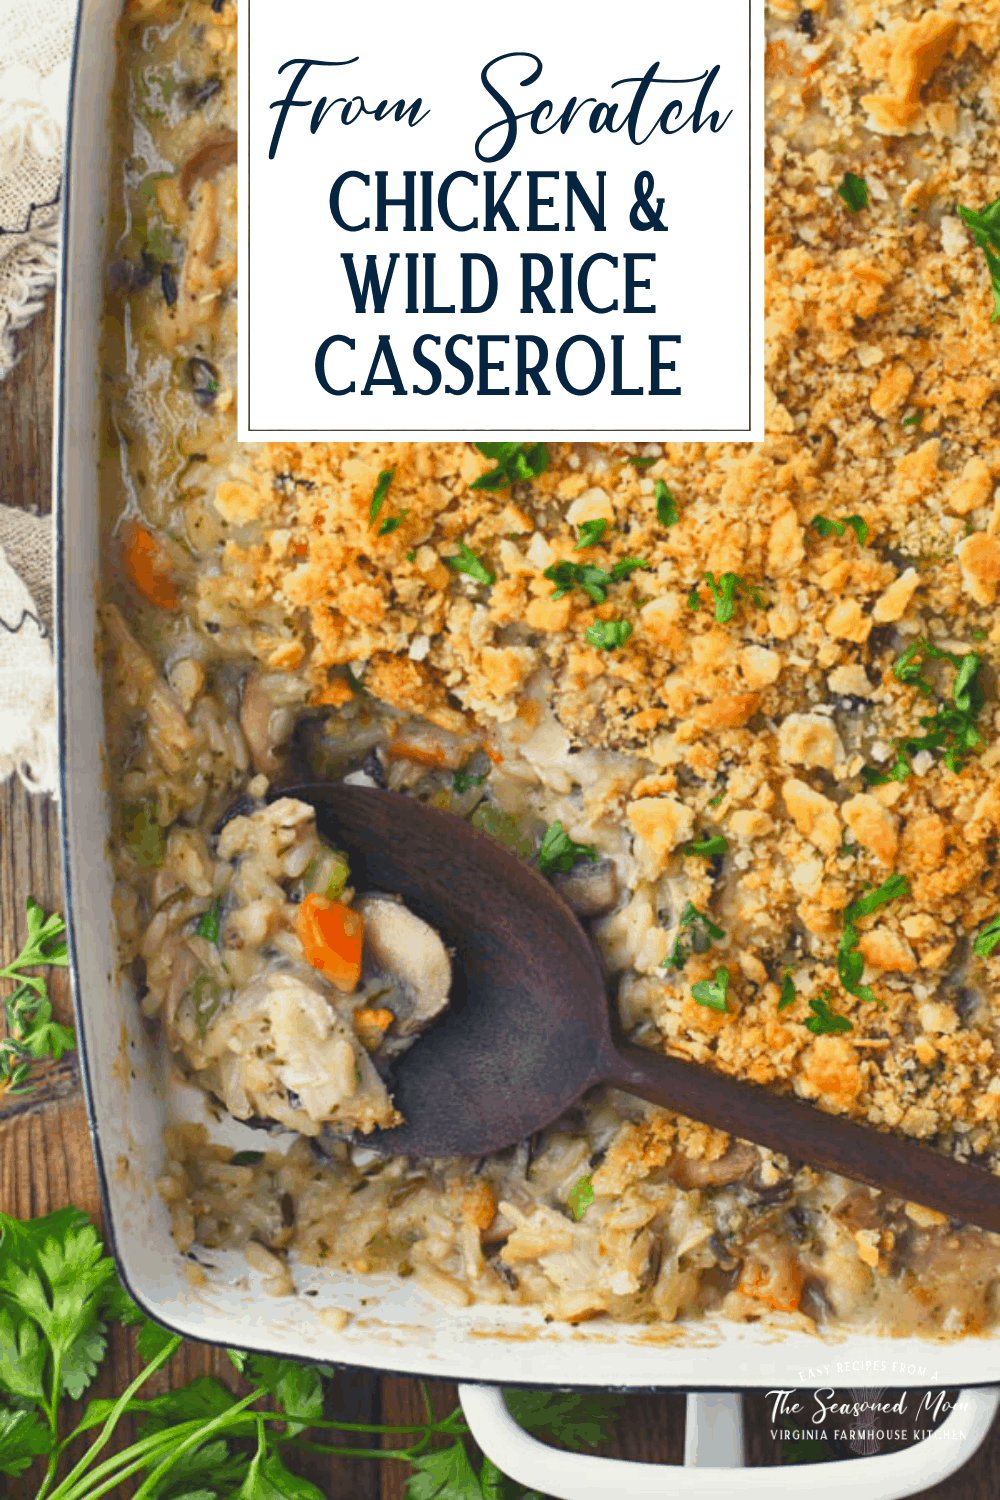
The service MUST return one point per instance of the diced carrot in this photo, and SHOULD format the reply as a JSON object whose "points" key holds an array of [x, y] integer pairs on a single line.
{"points": [[777, 1282], [371, 1025], [332, 936], [424, 755], [378, 1017], [147, 566]]}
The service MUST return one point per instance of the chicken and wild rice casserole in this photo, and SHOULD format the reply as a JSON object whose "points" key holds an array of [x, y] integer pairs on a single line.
{"points": [[739, 702]]}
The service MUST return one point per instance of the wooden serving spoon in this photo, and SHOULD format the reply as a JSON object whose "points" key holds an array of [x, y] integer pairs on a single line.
{"points": [[528, 1029]]}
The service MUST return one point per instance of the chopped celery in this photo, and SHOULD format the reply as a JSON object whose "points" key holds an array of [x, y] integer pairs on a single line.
{"points": [[503, 827], [210, 923], [142, 833], [206, 996], [328, 874]]}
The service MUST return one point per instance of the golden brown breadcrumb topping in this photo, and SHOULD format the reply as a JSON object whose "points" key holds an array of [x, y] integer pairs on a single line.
{"points": [[883, 383]]}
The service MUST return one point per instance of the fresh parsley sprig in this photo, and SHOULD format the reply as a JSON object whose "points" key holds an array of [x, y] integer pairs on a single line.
{"points": [[725, 592], [707, 848], [463, 780], [825, 1021], [199, 1441], [985, 226], [559, 853], [987, 938], [666, 506], [514, 461], [594, 581], [608, 635], [703, 932], [824, 527], [951, 727], [466, 561], [591, 533], [851, 963], [713, 992], [31, 1032], [392, 523], [581, 1196], [381, 490], [210, 923], [854, 191]]}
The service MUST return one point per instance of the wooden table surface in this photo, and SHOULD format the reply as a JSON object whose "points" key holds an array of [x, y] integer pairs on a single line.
{"points": [[45, 1156]]}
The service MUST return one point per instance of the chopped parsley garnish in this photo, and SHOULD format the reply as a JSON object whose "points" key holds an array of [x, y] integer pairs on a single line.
{"points": [[712, 992], [246, 1158], [666, 506], [390, 523], [824, 1021], [626, 567], [915, 420], [580, 1198], [210, 923], [951, 728], [707, 847], [608, 635], [851, 963], [411, 557], [987, 938], [514, 461], [985, 228], [594, 582], [714, 801], [560, 853], [725, 593], [787, 996], [703, 930], [464, 781], [381, 490], [693, 601], [854, 191], [639, 463], [466, 561], [825, 527], [569, 575], [591, 533], [909, 666]]}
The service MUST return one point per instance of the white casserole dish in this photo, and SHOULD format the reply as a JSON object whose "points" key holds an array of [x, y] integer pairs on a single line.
{"points": [[393, 1324]]}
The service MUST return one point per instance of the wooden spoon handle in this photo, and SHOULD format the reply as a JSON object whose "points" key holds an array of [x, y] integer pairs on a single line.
{"points": [[800, 1130]]}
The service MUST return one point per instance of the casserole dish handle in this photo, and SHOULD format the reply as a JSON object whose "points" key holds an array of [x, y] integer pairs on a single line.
{"points": [[713, 1448]]}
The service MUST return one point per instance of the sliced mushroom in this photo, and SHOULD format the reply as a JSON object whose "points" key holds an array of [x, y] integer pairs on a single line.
{"points": [[214, 151], [695, 1172], [265, 724], [591, 889], [406, 969]]}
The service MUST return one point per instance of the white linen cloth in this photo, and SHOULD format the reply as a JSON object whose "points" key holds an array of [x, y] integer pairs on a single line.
{"points": [[36, 37], [35, 43], [28, 743]]}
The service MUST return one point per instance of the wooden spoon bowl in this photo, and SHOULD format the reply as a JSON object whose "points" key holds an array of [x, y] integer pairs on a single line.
{"points": [[528, 1030]]}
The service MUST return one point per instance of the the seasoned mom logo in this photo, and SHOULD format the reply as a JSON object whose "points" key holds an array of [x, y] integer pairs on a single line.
{"points": [[863, 1418]]}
